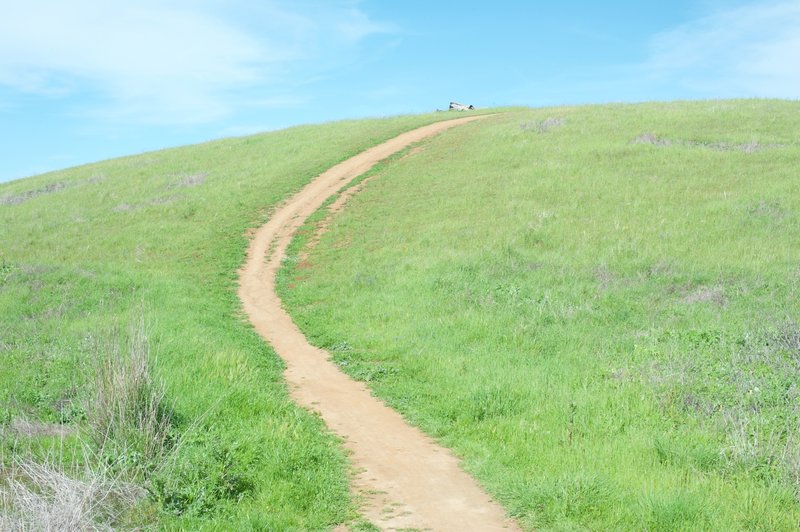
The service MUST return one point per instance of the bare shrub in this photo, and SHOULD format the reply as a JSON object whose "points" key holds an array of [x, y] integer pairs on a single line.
{"points": [[42, 497], [129, 416]]}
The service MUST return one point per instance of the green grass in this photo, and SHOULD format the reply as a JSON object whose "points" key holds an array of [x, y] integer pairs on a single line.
{"points": [[88, 252], [595, 307]]}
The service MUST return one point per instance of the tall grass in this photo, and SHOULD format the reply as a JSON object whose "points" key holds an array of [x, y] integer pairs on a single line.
{"points": [[128, 427], [129, 416]]}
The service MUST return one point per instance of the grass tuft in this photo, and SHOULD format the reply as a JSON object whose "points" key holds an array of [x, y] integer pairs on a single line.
{"points": [[129, 416]]}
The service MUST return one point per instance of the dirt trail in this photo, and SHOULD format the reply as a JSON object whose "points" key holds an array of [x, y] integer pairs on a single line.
{"points": [[404, 478]]}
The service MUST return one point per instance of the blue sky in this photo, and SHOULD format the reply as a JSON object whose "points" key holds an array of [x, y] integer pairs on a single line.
{"points": [[86, 80]]}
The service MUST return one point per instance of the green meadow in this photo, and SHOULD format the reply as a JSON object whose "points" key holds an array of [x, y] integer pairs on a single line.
{"points": [[595, 307], [139, 255]]}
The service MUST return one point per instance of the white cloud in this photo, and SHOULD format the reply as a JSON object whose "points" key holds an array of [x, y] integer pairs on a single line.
{"points": [[354, 25], [752, 50], [172, 61]]}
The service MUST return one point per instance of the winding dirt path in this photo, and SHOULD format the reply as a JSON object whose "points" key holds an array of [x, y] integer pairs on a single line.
{"points": [[403, 477]]}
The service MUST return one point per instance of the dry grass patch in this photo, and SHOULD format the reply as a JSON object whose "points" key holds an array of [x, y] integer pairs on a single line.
{"points": [[706, 294], [41, 496], [542, 126], [16, 199], [744, 147], [190, 180]]}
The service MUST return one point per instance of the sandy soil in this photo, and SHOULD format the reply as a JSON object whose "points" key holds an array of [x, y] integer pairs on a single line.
{"points": [[403, 478]]}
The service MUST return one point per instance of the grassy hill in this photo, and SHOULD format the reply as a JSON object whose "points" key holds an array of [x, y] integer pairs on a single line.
{"points": [[596, 307], [136, 258]]}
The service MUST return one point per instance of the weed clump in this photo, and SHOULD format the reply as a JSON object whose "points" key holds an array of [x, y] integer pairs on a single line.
{"points": [[129, 418]]}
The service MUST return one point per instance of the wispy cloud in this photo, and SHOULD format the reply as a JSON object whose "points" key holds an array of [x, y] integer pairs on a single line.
{"points": [[173, 61], [353, 25], [752, 50]]}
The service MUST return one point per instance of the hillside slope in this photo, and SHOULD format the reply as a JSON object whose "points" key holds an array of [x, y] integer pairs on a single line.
{"points": [[141, 254], [596, 307]]}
